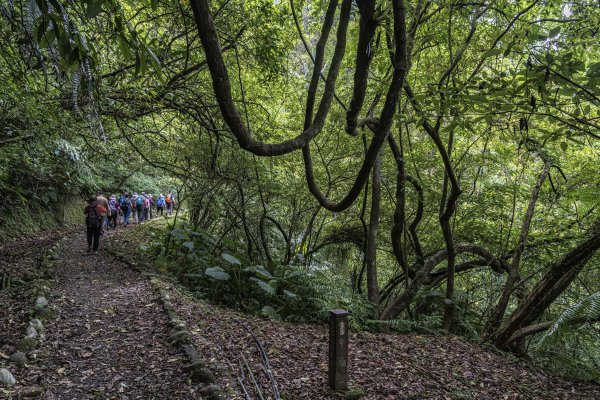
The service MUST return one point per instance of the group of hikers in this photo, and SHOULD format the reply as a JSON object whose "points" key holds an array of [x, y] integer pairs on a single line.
{"points": [[103, 214]]}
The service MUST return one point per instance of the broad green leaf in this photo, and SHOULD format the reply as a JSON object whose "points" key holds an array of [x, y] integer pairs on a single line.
{"points": [[231, 259], [260, 270], [94, 8], [492, 52], [564, 146], [264, 285], [217, 273], [270, 313], [124, 47], [554, 31], [178, 234]]}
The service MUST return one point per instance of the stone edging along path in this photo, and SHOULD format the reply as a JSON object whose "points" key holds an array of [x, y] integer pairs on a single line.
{"points": [[179, 336], [37, 283]]}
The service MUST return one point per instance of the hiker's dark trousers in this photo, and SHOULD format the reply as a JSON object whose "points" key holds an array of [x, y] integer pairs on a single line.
{"points": [[93, 234], [113, 219]]}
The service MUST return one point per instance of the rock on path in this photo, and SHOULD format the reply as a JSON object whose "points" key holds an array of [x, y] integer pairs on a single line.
{"points": [[109, 338]]}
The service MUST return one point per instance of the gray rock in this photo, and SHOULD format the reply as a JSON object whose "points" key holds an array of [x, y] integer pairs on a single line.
{"points": [[30, 275], [40, 302], [203, 375], [180, 337], [31, 333], [6, 378], [171, 314], [193, 366], [211, 392], [175, 321], [33, 391], [26, 344], [179, 327], [37, 324], [167, 305], [18, 358], [190, 352]]}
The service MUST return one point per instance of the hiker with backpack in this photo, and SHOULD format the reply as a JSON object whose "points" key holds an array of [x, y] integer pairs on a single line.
{"points": [[170, 201], [121, 199], [160, 205], [113, 206], [151, 201], [95, 213], [103, 203], [134, 207], [139, 206], [126, 208], [146, 207]]}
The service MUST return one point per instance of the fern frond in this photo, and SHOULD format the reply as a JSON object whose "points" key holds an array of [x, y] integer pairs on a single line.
{"points": [[587, 310], [75, 84]]}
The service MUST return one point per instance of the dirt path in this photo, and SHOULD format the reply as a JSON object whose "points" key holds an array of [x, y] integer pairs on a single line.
{"points": [[109, 340]]}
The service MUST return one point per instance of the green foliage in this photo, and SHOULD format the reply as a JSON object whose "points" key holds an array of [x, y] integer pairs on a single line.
{"points": [[115, 95], [585, 312], [279, 292], [571, 345]]}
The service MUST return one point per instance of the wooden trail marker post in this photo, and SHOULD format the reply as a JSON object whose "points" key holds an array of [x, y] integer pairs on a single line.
{"points": [[338, 349]]}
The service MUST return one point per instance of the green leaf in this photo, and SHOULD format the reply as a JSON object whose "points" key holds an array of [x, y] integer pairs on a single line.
{"points": [[94, 8], [492, 52], [564, 146], [155, 62], [178, 234], [189, 245], [137, 63], [231, 259], [124, 47], [217, 273], [270, 313], [264, 285], [260, 270], [554, 31]]}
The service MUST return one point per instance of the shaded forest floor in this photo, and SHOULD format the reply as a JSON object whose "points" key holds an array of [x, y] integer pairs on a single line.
{"points": [[107, 339]]}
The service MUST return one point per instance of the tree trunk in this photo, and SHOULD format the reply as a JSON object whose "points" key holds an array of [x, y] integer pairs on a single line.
{"points": [[552, 285], [371, 254], [513, 273]]}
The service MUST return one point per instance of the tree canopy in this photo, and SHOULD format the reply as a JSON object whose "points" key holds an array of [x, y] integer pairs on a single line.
{"points": [[439, 157]]}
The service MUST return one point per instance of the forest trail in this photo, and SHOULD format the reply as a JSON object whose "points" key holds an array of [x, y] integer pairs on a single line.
{"points": [[108, 339]]}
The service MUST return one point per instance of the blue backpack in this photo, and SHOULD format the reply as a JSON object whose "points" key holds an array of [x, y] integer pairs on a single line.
{"points": [[139, 201], [125, 204]]}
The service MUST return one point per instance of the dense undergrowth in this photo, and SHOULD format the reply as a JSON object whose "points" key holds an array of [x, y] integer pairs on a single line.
{"points": [[219, 272]]}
